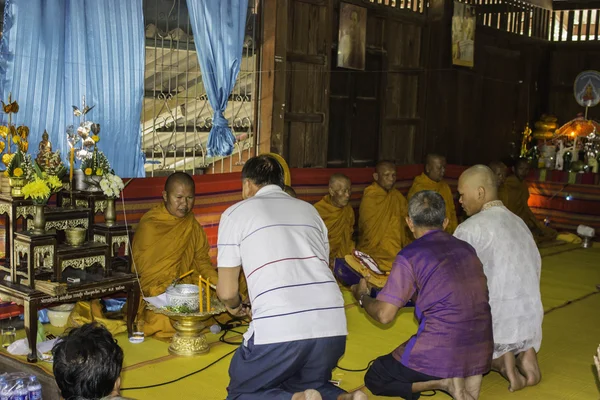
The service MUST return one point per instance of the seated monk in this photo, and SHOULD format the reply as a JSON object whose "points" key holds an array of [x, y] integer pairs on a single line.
{"points": [[381, 217], [169, 242], [500, 169], [517, 196], [433, 179], [338, 216]]}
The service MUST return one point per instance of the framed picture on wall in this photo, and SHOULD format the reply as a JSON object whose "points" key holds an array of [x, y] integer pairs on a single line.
{"points": [[463, 35], [352, 37]]}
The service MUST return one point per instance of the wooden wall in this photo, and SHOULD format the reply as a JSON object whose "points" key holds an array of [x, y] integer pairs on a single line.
{"points": [[410, 100]]}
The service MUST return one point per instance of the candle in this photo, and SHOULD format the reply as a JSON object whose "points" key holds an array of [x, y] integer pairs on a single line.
{"points": [[200, 294], [71, 159], [208, 295]]}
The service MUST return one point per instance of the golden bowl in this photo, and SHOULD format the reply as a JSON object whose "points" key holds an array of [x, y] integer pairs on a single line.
{"points": [[75, 236]]}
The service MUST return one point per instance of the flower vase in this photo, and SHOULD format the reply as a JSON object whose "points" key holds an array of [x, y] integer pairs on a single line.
{"points": [[39, 219], [110, 214], [16, 185]]}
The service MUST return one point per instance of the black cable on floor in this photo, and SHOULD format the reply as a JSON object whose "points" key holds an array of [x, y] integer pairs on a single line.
{"points": [[180, 378]]}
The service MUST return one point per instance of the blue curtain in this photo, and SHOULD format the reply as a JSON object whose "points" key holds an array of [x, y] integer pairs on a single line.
{"points": [[219, 27], [54, 52]]}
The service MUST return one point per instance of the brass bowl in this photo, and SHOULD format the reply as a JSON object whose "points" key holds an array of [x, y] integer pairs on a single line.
{"points": [[75, 236]]}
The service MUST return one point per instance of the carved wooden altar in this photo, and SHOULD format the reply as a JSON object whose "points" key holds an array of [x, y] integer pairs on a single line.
{"points": [[30, 257]]}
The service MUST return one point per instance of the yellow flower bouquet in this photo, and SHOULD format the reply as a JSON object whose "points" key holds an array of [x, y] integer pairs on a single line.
{"points": [[41, 185]]}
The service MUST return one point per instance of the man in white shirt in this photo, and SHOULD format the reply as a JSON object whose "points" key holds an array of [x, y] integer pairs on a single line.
{"points": [[512, 265], [298, 329]]}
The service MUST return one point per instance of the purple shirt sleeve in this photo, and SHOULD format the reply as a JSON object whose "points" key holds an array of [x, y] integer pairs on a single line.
{"points": [[400, 286]]}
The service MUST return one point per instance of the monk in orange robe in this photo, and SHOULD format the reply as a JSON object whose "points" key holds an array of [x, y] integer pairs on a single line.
{"points": [[517, 196], [169, 242], [381, 217], [338, 216], [501, 170], [433, 179]]}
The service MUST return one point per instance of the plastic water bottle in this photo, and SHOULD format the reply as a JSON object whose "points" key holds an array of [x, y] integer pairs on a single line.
{"points": [[5, 392], [34, 388], [19, 392]]}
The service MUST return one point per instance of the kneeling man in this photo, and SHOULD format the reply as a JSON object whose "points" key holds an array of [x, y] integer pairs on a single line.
{"points": [[453, 347], [512, 264]]}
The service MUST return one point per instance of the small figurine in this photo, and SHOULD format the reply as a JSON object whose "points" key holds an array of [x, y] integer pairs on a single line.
{"points": [[560, 156], [45, 149]]}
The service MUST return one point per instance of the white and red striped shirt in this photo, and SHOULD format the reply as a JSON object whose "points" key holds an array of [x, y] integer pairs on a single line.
{"points": [[281, 244]]}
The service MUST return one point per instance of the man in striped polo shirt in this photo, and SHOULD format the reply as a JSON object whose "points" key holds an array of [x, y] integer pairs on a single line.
{"points": [[298, 329]]}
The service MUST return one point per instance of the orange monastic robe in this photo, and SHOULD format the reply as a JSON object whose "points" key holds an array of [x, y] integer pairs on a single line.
{"points": [[515, 195], [423, 182], [340, 227], [381, 224], [164, 248]]}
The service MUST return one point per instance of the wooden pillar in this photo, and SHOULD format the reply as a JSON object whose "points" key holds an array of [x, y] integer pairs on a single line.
{"points": [[271, 136]]}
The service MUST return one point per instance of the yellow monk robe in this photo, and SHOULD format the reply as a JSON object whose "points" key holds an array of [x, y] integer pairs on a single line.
{"points": [[382, 225], [423, 182], [340, 227], [516, 194], [164, 248]]}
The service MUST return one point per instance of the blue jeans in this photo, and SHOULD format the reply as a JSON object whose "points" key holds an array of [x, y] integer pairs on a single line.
{"points": [[277, 371]]}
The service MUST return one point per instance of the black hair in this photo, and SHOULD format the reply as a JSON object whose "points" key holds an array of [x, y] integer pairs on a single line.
{"points": [[263, 170], [87, 362]]}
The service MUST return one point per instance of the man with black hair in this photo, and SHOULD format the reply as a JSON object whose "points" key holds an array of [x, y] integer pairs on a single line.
{"points": [[443, 276], [298, 329], [87, 364]]}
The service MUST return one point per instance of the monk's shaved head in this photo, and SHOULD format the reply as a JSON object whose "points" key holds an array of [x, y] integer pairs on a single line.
{"points": [[385, 174], [179, 194], [435, 167], [521, 168], [179, 178], [500, 169], [382, 165], [337, 178], [340, 189], [290, 190], [477, 186]]}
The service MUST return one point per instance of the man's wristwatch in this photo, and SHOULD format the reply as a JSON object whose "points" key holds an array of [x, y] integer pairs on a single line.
{"points": [[360, 301]]}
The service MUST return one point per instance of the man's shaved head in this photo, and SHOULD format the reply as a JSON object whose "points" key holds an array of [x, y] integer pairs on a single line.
{"points": [[385, 174], [477, 186], [500, 169], [435, 167], [340, 189], [179, 178]]}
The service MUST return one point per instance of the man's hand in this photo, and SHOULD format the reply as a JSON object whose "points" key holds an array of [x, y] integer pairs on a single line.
{"points": [[240, 311], [360, 289]]}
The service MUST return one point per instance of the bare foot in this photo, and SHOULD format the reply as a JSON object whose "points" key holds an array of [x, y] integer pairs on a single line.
{"points": [[597, 361], [473, 385], [309, 394], [456, 388], [505, 365], [528, 365], [357, 395]]}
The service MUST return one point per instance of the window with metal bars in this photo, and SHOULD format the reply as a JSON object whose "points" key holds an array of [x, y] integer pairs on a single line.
{"points": [[176, 115]]}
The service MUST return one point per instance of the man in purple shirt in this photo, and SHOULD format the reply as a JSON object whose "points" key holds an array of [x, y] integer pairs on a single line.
{"points": [[453, 346]]}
